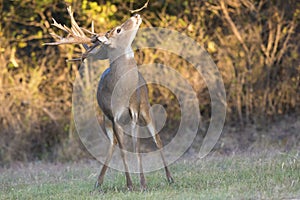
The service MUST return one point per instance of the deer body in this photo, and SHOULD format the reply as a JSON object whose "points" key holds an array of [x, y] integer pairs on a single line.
{"points": [[113, 79], [122, 91]]}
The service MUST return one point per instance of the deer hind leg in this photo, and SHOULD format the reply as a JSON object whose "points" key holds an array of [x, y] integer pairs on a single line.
{"points": [[158, 142], [120, 139], [136, 148], [113, 141]]}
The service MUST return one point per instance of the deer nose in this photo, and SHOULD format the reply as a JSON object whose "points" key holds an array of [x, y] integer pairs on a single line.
{"points": [[136, 16]]}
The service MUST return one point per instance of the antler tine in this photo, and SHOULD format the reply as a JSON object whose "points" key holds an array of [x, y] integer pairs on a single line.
{"points": [[74, 26], [59, 25], [75, 33], [87, 31], [93, 31]]}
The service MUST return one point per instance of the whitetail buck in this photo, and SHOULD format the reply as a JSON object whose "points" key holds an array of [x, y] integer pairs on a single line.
{"points": [[123, 78]]}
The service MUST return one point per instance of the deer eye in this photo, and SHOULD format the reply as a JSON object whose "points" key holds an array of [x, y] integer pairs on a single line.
{"points": [[118, 30]]}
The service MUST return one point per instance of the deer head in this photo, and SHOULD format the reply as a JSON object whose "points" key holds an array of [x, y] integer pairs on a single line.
{"points": [[117, 41]]}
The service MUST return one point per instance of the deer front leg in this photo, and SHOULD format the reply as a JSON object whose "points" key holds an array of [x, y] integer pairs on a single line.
{"points": [[100, 180], [107, 127], [120, 139]]}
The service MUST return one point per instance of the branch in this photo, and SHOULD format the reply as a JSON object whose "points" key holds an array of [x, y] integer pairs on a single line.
{"points": [[138, 10], [232, 25]]}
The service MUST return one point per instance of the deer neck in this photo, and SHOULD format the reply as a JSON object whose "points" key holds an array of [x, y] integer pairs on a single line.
{"points": [[122, 61], [117, 53], [123, 78]]}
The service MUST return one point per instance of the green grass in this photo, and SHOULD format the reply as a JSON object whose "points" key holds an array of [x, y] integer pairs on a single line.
{"points": [[267, 176]]}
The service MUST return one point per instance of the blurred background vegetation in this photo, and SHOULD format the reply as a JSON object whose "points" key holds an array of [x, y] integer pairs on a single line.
{"points": [[255, 44]]}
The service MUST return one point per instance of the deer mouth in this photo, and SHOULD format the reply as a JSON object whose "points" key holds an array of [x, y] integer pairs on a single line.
{"points": [[133, 23], [138, 19]]}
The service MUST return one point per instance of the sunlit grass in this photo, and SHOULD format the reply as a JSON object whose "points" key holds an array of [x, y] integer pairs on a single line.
{"points": [[233, 177]]}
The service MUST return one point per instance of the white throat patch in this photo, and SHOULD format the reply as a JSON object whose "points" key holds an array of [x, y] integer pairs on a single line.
{"points": [[129, 54]]}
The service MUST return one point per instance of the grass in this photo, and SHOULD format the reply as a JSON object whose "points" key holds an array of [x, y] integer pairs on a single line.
{"points": [[264, 176]]}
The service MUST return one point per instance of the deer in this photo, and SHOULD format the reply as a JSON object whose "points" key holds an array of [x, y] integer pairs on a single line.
{"points": [[115, 45]]}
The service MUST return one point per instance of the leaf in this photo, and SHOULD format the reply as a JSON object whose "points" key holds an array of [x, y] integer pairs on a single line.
{"points": [[22, 44]]}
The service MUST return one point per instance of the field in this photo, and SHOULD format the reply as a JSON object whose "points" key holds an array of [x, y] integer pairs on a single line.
{"points": [[273, 175], [255, 46]]}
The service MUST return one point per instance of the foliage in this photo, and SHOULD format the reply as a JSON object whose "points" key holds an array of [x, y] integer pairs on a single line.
{"points": [[255, 44]]}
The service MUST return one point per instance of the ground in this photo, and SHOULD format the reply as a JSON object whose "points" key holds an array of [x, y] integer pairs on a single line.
{"points": [[253, 163], [267, 175]]}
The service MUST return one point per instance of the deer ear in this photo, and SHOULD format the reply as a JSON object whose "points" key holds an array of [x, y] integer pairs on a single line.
{"points": [[103, 39]]}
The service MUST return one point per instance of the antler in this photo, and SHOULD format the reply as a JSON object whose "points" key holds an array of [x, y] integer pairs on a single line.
{"points": [[76, 36], [75, 33]]}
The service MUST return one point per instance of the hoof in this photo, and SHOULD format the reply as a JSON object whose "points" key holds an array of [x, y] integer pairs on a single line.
{"points": [[130, 188], [144, 188], [97, 185], [170, 180]]}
